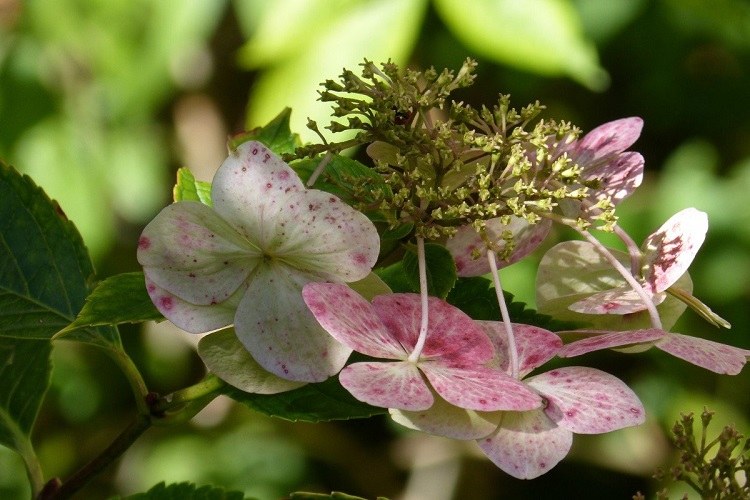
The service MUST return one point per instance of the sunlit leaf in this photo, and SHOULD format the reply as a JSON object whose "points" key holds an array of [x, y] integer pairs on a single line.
{"points": [[190, 189], [276, 134], [602, 20], [543, 36]]}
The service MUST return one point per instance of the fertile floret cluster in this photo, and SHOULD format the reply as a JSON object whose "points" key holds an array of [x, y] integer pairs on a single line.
{"points": [[451, 193]]}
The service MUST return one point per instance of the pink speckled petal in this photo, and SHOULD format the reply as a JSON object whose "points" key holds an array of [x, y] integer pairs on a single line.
{"points": [[466, 240], [479, 388], [250, 190], [607, 340], [191, 252], [325, 235], [527, 444], [388, 385], [263, 198], [276, 327], [588, 401], [618, 179], [447, 420], [713, 356], [452, 336], [351, 320], [606, 140], [535, 345], [668, 252], [617, 301], [190, 317]]}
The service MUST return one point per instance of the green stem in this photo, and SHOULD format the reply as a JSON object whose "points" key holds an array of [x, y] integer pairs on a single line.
{"points": [[109, 455], [133, 375], [209, 386], [33, 467]]}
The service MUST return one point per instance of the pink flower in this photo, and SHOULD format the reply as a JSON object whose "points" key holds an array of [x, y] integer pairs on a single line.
{"points": [[526, 238], [451, 361], [666, 255], [526, 444], [602, 156], [245, 260], [713, 356]]}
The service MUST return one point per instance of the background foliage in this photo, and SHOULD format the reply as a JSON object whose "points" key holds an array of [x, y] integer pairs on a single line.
{"points": [[102, 100]]}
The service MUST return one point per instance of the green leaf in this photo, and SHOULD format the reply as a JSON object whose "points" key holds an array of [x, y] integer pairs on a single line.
{"points": [[45, 273], [312, 403], [543, 36], [396, 278], [476, 297], [118, 299], [276, 135], [186, 491], [344, 176], [441, 269], [189, 189], [335, 495], [398, 232]]}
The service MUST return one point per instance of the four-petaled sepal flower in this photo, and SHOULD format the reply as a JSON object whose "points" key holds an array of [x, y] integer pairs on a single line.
{"points": [[245, 260], [526, 444], [451, 361]]}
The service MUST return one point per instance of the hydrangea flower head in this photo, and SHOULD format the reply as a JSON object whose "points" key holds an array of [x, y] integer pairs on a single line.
{"points": [[245, 260]]}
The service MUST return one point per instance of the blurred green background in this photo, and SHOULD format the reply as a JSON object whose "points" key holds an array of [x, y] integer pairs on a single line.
{"points": [[102, 100]]}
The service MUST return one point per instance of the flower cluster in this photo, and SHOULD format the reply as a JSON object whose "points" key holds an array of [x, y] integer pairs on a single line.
{"points": [[281, 262]]}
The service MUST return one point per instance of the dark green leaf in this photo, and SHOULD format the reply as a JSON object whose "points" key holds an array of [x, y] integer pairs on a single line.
{"points": [[335, 495], [398, 232], [441, 269], [395, 277], [312, 403], [45, 272], [189, 189], [476, 297], [186, 491], [348, 179], [119, 299], [276, 135]]}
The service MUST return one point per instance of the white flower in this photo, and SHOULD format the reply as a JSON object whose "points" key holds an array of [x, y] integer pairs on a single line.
{"points": [[245, 260]]}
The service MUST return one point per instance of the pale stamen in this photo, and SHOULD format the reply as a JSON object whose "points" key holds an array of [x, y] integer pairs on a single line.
{"points": [[512, 349], [414, 356]]}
